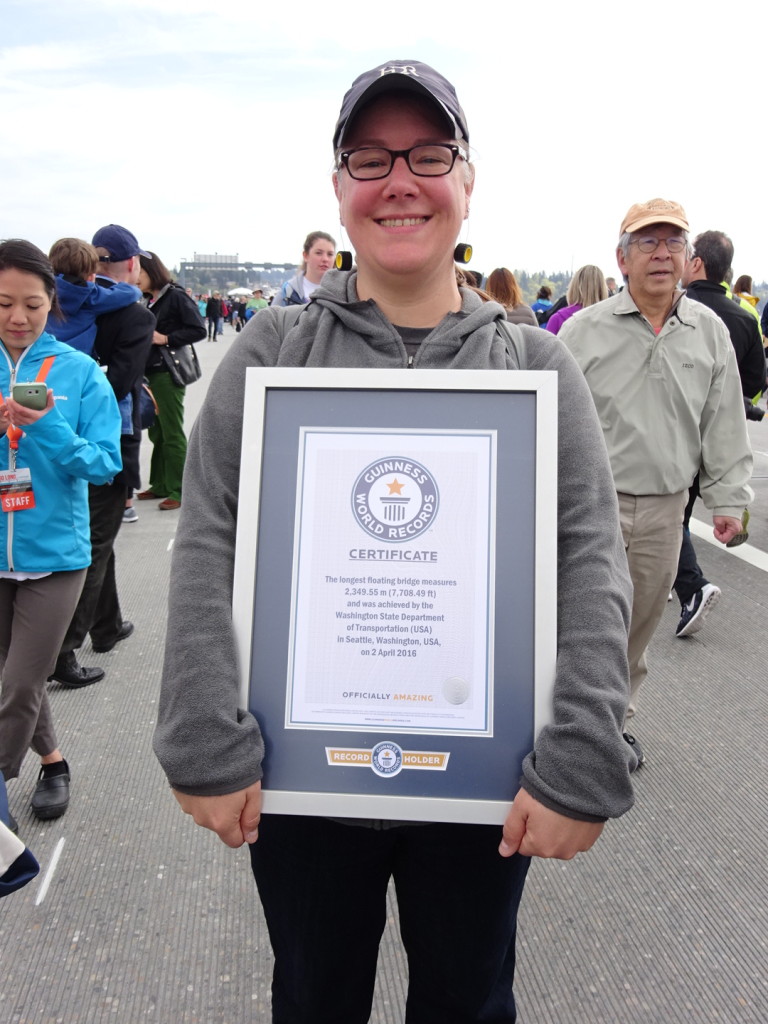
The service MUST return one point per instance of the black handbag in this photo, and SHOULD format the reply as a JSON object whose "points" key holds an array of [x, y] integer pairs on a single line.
{"points": [[182, 364], [147, 406]]}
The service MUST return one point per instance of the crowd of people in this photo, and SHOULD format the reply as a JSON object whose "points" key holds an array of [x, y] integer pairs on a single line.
{"points": [[645, 426]]}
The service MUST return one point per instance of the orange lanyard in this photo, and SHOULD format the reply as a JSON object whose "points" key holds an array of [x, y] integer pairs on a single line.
{"points": [[14, 433]]}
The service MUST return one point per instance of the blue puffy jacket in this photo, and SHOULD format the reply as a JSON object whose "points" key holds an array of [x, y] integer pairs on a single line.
{"points": [[74, 444]]}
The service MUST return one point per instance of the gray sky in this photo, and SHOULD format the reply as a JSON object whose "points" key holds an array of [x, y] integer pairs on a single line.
{"points": [[206, 127]]}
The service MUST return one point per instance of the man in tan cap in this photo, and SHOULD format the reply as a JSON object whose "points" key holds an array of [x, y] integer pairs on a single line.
{"points": [[664, 379]]}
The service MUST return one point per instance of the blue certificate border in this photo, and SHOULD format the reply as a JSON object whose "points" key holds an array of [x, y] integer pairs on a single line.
{"points": [[483, 772]]}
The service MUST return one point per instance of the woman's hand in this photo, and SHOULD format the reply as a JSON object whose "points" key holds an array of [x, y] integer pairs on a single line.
{"points": [[5, 417], [21, 416], [234, 817], [159, 339], [536, 831]]}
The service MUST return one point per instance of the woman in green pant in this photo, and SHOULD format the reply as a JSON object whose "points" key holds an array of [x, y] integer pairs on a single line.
{"points": [[178, 323]]}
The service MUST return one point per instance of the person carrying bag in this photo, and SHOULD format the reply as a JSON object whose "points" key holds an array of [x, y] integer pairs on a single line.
{"points": [[182, 364], [172, 364]]}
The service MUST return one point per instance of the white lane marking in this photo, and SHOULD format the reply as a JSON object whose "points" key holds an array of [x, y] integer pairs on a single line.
{"points": [[170, 543], [746, 552], [49, 873]]}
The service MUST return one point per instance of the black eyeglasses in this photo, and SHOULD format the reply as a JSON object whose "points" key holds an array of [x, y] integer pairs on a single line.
{"points": [[372, 162], [650, 244]]}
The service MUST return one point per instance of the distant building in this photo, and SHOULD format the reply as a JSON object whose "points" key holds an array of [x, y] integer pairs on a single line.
{"points": [[221, 271]]}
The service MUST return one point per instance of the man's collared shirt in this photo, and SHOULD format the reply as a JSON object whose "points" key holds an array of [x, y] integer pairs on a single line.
{"points": [[670, 403]]}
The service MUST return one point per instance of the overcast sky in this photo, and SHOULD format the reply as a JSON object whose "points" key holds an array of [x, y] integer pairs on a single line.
{"points": [[206, 126]]}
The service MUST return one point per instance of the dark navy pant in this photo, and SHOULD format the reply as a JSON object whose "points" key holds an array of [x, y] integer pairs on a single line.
{"points": [[323, 886], [689, 577], [98, 610]]}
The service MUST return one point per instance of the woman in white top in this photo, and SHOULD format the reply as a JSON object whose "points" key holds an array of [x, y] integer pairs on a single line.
{"points": [[317, 257]]}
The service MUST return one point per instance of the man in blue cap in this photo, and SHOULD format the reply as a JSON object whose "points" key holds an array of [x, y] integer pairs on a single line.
{"points": [[123, 342]]}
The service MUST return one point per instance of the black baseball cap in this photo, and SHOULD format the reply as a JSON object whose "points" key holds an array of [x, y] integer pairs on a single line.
{"points": [[406, 76]]}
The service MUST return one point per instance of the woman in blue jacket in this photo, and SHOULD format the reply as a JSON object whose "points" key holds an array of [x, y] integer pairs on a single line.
{"points": [[48, 457]]}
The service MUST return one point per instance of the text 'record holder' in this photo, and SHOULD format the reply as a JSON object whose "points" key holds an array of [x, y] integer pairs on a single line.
{"points": [[394, 598]]}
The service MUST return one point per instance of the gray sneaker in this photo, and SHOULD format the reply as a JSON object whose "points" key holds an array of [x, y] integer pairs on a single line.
{"points": [[130, 515]]}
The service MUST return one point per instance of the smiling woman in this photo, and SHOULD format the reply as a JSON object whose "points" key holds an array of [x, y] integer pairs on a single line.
{"points": [[403, 180], [404, 222]]}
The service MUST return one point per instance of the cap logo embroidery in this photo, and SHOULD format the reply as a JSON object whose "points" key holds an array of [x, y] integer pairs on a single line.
{"points": [[399, 69]]}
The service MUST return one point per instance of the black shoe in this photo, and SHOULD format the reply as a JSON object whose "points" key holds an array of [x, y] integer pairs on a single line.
{"points": [[72, 675], [51, 796], [693, 614], [122, 634], [638, 750]]}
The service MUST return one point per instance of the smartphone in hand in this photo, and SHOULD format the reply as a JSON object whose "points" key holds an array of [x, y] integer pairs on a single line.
{"points": [[31, 395]]}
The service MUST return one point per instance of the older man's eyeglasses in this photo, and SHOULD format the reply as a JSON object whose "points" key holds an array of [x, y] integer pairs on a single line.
{"points": [[647, 243], [372, 162]]}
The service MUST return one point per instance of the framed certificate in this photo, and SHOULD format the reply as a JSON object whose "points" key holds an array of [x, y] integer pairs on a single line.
{"points": [[395, 586]]}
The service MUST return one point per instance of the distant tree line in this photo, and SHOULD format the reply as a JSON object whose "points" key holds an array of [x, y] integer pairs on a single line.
{"points": [[557, 280], [205, 282]]}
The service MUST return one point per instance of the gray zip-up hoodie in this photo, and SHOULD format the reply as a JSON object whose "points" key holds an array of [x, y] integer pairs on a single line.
{"points": [[208, 745]]}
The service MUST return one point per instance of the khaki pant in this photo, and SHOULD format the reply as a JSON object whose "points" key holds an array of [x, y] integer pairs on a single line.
{"points": [[651, 528]]}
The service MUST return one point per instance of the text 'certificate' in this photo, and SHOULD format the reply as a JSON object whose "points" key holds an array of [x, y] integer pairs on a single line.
{"points": [[392, 590]]}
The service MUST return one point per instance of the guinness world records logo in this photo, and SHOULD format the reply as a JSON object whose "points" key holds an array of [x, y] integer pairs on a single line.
{"points": [[395, 499], [387, 759]]}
